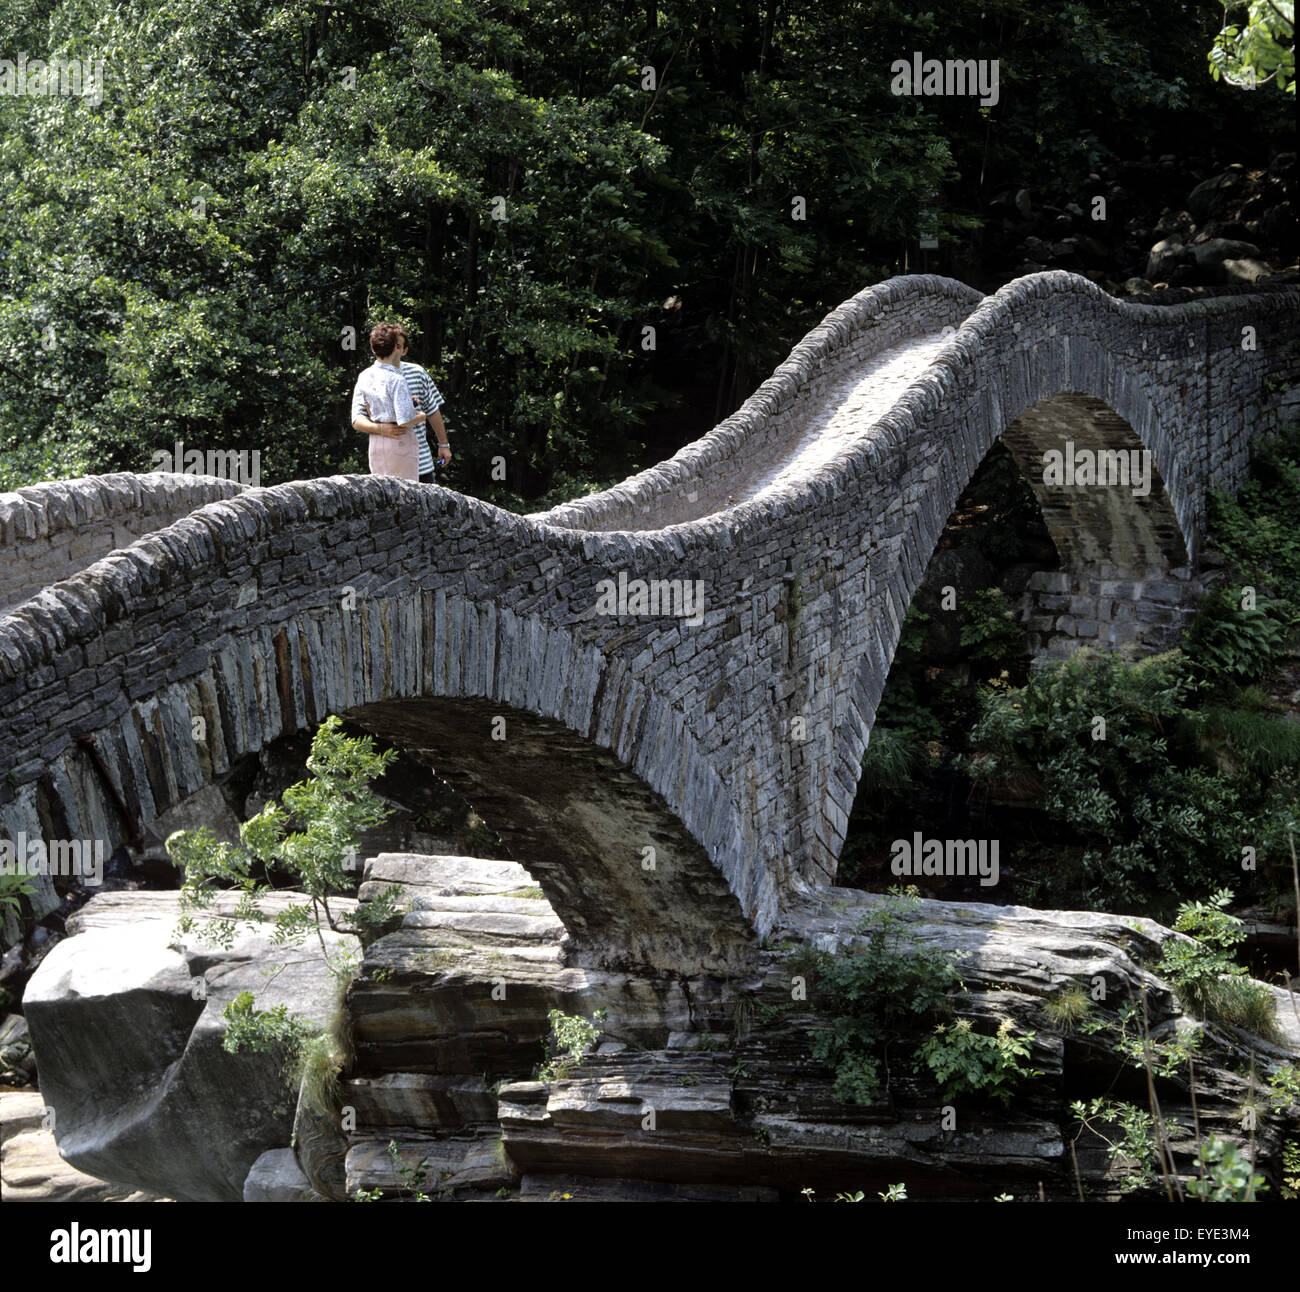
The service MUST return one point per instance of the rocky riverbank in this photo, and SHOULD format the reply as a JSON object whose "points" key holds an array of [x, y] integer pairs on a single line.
{"points": [[696, 1088]]}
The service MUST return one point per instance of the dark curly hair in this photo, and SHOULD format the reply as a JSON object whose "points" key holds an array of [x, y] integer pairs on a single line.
{"points": [[384, 338]]}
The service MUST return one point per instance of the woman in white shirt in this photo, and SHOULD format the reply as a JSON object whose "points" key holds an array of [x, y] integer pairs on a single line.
{"points": [[383, 390]]}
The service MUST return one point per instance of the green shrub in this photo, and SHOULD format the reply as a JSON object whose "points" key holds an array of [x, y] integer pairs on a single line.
{"points": [[1242, 1003], [1258, 533], [1204, 973], [268, 1031], [1066, 1008], [1134, 797], [572, 1038], [414, 1175], [14, 886], [1291, 1170], [1132, 1041], [317, 1066], [872, 994], [1246, 739], [1284, 1087], [891, 760], [992, 635], [965, 1062], [1229, 643], [1258, 530], [1133, 1148], [330, 811], [1226, 1175], [377, 915]]}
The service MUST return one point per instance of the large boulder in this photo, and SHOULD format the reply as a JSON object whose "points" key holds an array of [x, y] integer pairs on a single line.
{"points": [[31, 1169], [1167, 255], [277, 1177], [1221, 194], [1211, 255], [1244, 271], [126, 1023], [1278, 225]]}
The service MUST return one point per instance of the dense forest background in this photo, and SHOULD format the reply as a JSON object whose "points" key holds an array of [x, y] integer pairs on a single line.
{"points": [[529, 185]]}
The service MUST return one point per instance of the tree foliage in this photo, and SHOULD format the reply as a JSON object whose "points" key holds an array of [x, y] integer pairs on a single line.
{"points": [[528, 186], [309, 837], [1257, 46]]}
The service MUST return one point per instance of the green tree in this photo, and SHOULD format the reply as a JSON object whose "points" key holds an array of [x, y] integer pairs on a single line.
{"points": [[528, 187], [1256, 45], [330, 811]]}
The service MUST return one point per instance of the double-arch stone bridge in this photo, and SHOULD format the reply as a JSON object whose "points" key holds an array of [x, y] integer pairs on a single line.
{"points": [[670, 771]]}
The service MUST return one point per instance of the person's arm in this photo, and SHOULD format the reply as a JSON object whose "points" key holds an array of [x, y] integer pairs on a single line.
{"points": [[367, 427], [444, 449], [435, 419]]}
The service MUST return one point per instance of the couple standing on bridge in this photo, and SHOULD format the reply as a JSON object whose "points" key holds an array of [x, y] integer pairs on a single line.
{"points": [[400, 398]]}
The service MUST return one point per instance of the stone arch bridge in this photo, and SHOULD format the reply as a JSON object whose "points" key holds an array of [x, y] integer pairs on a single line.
{"points": [[688, 664]]}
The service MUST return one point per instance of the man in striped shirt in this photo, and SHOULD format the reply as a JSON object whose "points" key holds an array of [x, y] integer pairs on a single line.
{"points": [[427, 399]]}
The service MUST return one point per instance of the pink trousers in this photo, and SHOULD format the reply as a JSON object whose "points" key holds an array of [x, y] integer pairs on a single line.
{"points": [[399, 457]]}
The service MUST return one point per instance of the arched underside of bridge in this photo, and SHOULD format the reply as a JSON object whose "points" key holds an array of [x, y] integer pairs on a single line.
{"points": [[630, 884], [1128, 526], [554, 746], [1127, 573]]}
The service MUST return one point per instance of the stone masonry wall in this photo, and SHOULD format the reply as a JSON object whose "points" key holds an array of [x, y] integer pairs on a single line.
{"points": [[48, 531]]}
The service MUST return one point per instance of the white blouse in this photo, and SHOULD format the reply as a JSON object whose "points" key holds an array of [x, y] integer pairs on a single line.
{"points": [[384, 390]]}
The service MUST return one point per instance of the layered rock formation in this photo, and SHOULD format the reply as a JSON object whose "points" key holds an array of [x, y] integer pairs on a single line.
{"points": [[697, 1088], [705, 1087]]}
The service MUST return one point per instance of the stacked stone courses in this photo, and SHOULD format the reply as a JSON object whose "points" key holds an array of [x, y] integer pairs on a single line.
{"points": [[48, 530], [735, 745]]}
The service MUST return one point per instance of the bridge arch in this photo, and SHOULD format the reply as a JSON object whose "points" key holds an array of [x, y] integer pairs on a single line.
{"points": [[631, 885], [258, 616], [1177, 381], [1130, 524], [1047, 397]]}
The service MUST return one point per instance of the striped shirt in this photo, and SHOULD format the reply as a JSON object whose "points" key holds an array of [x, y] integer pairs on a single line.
{"points": [[420, 386]]}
